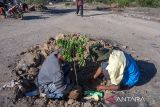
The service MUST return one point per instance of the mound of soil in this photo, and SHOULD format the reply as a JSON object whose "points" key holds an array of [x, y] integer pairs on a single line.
{"points": [[30, 63]]}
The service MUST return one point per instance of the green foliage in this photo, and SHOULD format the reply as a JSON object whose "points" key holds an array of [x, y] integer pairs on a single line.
{"points": [[149, 3], [123, 3], [69, 3], [39, 1], [100, 1], [120, 2], [36, 1], [73, 48]]}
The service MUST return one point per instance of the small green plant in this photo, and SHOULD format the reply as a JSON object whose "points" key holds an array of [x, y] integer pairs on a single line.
{"points": [[123, 3], [73, 48]]}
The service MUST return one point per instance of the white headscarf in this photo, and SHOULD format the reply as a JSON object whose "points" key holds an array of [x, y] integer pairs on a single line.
{"points": [[116, 66]]}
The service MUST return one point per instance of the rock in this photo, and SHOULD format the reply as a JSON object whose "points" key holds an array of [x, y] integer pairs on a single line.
{"points": [[33, 71], [40, 102], [22, 66], [51, 40], [108, 82], [104, 82], [108, 46], [50, 103], [45, 46], [95, 103], [69, 106], [62, 103], [52, 45], [60, 36], [19, 72], [115, 45], [87, 104], [42, 95], [25, 102], [76, 104], [9, 66], [22, 53], [66, 104], [29, 59], [124, 47], [44, 53], [70, 101], [75, 93]]}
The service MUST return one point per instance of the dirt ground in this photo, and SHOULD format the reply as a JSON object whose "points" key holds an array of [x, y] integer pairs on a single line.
{"points": [[136, 28]]}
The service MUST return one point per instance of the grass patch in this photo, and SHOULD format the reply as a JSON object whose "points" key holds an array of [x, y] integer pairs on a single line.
{"points": [[124, 3]]}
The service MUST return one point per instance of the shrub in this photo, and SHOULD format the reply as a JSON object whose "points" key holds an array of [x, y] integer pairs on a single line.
{"points": [[149, 3], [100, 1], [123, 3], [36, 1], [73, 48]]}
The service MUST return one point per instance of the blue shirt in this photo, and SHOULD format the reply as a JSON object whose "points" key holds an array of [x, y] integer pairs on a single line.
{"points": [[131, 73]]}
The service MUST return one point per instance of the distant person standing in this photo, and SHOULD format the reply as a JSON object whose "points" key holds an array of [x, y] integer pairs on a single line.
{"points": [[25, 6], [79, 4]]}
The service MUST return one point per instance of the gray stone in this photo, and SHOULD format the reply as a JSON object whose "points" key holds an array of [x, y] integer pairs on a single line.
{"points": [[33, 71], [70, 101], [66, 104], [62, 103], [54, 103], [28, 60], [115, 45], [19, 72], [87, 104], [124, 47], [40, 102], [21, 66]]}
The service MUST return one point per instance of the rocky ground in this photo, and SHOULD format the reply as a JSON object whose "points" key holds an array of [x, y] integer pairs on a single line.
{"points": [[139, 35]]}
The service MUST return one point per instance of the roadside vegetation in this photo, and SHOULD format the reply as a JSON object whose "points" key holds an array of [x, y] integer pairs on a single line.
{"points": [[124, 3], [36, 2], [120, 3]]}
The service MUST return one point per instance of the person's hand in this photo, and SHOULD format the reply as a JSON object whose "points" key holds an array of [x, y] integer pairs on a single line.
{"points": [[101, 87]]}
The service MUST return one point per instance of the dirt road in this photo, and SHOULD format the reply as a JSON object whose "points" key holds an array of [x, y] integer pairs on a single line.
{"points": [[141, 35]]}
